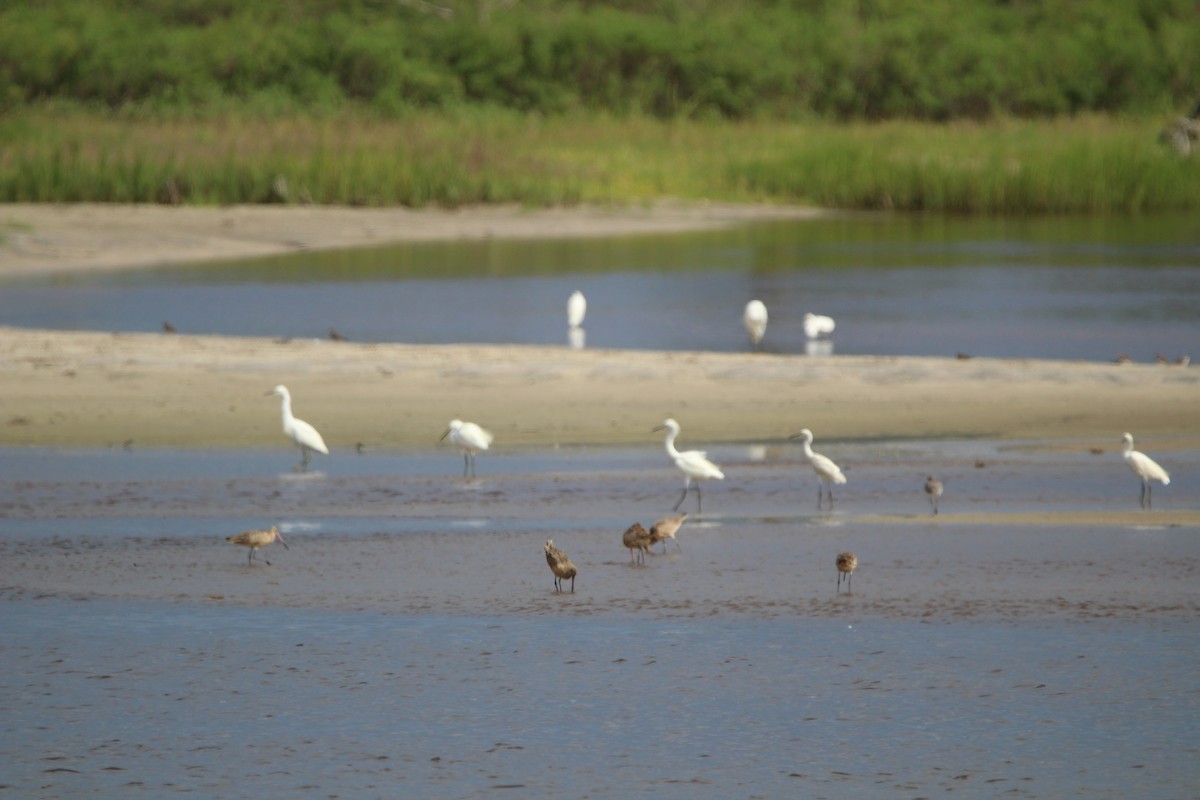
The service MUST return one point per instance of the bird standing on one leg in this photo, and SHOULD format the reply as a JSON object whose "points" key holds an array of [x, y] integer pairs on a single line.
{"points": [[665, 529], [846, 564], [637, 539], [933, 490], [1146, 468], [828, 473], [692, 463], [470, 439], [560, 565], [304, 435], [256, 540]]}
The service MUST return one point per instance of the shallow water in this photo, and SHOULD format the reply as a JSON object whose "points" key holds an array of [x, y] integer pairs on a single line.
{"points": [[1069, 289]]}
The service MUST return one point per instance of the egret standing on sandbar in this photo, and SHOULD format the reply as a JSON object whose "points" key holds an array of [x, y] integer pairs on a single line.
{"points": [[576, 309], [470, 439], [256, 540], [1145, 468], [304, 435], [818, 325], [560, 565], [692, 463], [828, 472], [754, 318]]}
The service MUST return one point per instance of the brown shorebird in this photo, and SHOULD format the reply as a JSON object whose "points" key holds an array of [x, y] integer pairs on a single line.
{"points": [[168, 327], [846, 564], [560, 565], [335, 336], [636, 538], [256, 540], [933, 489], [665, 529]]}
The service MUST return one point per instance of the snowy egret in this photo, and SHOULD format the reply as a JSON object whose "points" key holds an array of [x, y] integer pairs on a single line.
{"points": [[304, 435], [470, 439], [692, 463], [636, 538], [576, 309], [846, 564], [933, 488], [755, 320], [560, 565], [818, 325], [665, 529], [1145, 468], [256, 540], [828, 472]]}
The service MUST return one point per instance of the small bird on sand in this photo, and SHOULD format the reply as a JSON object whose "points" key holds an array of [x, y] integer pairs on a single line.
{"points": [[560, 565], [665, 529], [256, 540], [933, 489], [335, 336], [637, 539], [846, 564], [1146, 468]]}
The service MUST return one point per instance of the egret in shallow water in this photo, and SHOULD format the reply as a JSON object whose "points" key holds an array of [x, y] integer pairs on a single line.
{"points": [[257, 540], [754, 318], [470, 439], [846, 564], [665, 529], [933, 490], [828, 472], [1146, 468], [576, 309], [560, 565], [818, 325], [694, 464], [304, 435]]}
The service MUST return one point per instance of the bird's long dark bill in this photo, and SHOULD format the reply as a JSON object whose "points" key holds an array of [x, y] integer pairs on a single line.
{"points": [[444, 435]]}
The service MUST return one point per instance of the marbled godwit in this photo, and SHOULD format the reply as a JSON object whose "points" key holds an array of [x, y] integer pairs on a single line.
{"points": [[692, 463], [304, 435], [636, 538], [576, 309], [665, 529], [256, 540], [560, 565], [828, 472], [470, 439], [818, 325], [846, 564], [1145, 468], [933, 489], [754, 318]]}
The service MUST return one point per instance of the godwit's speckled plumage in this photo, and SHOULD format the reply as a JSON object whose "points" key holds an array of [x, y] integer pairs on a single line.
{"points": [[933, 489], [846, 564], [1146, 468], [665, 529], [560, 565], [256, 540], [637, 539]]}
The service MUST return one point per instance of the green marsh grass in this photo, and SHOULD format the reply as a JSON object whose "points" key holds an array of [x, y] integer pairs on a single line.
{"points": [[1093, 165]]}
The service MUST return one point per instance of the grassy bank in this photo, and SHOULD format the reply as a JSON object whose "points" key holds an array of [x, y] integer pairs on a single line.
{"points": [[1079, 165]]}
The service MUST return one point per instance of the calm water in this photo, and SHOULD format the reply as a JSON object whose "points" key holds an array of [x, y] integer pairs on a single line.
{"points": [[1074, 289]]}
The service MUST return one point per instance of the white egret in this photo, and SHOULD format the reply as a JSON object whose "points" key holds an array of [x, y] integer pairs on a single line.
{"points": [[692, 463], [754, 318], [470, 439], [304, 435], [828, 472], [636, 538], [846, 564], [256, 540], [818, 325], [933, 489], [665, 529], [1146, 468], [560, 565], [576, 309]]}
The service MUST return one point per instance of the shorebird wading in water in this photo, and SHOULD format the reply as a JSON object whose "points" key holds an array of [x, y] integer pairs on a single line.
{"points": [[694, 464], [828, 472], [470, 439], [1146, 468], [933, 490], [560, 565], [304, 435], [846, 564], [257, 540], [754, 318]]}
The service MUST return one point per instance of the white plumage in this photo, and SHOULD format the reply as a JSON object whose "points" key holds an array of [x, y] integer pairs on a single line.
{"points": [[755, 320], [827, 471], [576, 309], [470, 439], [818, 325], [1146, 468], [305, 436], [692, 463]]}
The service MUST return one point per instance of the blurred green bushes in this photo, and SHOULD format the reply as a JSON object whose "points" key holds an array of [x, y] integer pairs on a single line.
{"points": [[740, 59]]}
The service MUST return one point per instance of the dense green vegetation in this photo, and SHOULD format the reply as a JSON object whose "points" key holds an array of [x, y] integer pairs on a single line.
{"points": [[738, 59], [973, 106]]}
